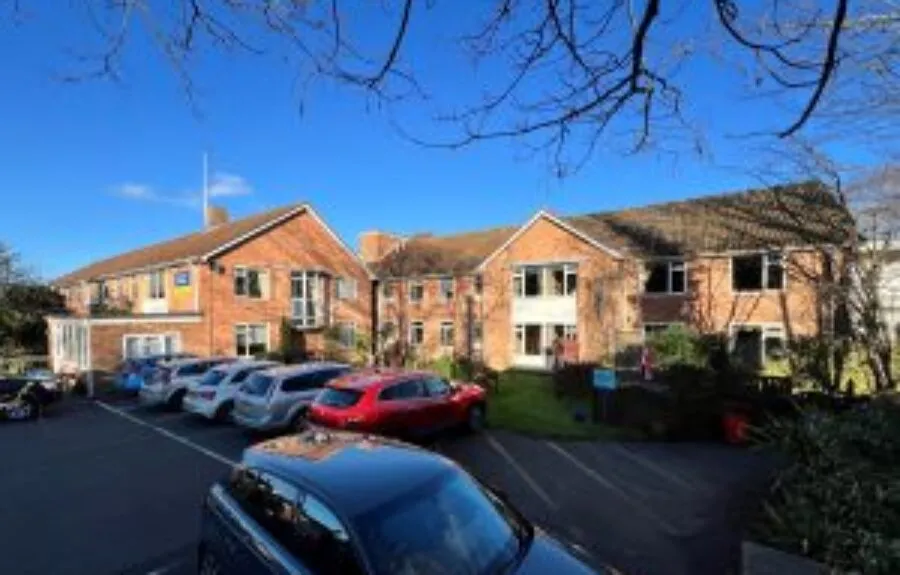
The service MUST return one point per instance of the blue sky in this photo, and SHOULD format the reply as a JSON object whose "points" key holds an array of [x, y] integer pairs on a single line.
{"points": [[95, 168]]}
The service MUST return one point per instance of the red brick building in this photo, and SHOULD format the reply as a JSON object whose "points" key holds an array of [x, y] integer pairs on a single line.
{"points": [[744, 264], [228, 289]]}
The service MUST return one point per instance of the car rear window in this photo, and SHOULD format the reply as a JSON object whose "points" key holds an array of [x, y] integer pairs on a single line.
{"points": [[334, 397], [258, 384], [213, 377]]}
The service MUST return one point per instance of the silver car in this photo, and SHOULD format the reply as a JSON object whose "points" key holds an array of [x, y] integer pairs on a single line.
{"points": [[170, 380], [277, 398], [212, 396]]}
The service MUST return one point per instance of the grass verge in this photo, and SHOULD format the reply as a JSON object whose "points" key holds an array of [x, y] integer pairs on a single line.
{"points": [[525, 403]]}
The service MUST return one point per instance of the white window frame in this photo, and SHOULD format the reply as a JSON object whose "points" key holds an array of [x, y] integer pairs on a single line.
{"points": [[412, 327], [409, 288], [445, 325], [447, 294], [672, 266], [247, 327], [520, 350], [545, 275], [345, 328], [765, 330], [175, 336], [158, 291], [345, 288], [304, 277], [262, 278], [764, 272]]}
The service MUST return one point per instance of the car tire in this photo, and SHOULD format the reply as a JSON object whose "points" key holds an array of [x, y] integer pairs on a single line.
{"points": [[207, 564], [34, 408], [223, 414], [475, 418], [299, 422], [176, 399]]}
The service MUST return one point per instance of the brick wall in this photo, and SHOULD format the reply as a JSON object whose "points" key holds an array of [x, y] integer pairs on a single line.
{"points": [[107, 339]]}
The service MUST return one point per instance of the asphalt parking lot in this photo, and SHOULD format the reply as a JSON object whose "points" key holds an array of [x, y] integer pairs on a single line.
{"points": [[115, 488]]}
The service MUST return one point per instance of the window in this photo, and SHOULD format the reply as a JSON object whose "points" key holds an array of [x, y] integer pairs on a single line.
{"points": [[447, 333], [307, 288], [387, 290], [755, 272], [157, 285], [446, 288], [388, 330], [416, 333], [241, 375], [251, 283], [406, 390], [531, 282], [251, 339], [437, 387], [194, 368], [563, 332], [754, 345], [667, 277], [654, 329], [345, 288], [339, 397], [302, 382], [142, 345], [416, 291], [528, 339], [563, 279], [347, 334], [477, 285], [299, 522]]}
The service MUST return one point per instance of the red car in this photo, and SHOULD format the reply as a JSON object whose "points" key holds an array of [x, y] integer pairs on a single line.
{"points": [[399, 403]]}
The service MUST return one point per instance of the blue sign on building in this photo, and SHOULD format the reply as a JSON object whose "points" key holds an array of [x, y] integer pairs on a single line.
{"points": [[604, 379], [182, 279]]}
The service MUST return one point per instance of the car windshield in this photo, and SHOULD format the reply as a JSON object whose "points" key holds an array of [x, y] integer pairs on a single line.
{"points": [[257, 384], [447, 526], [334, 397], [213, 377]]}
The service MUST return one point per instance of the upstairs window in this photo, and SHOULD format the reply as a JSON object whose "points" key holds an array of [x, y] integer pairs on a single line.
{"points": [[157, 285], [755, 272], [345, 288], [416, 291], [446, 288], [387, 290], [250, 283], [563, 280], [665, 277]]}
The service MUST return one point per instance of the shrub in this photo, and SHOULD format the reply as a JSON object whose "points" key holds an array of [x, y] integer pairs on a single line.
{"points": [[678, 345], [574, 379], [838, 499]]}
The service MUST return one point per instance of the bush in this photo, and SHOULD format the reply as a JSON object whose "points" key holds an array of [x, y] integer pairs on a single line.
{"points": [[574, 380], [837, 501], [678, 345]]}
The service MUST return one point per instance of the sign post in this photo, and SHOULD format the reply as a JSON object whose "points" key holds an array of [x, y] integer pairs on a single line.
{"points": [[604, 383]]}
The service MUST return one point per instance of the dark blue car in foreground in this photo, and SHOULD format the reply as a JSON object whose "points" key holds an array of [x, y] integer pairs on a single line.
{"points": [[343, 503]]}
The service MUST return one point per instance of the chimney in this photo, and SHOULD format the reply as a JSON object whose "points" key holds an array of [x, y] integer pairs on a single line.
{"points": [[374, 245], [216, 216]]}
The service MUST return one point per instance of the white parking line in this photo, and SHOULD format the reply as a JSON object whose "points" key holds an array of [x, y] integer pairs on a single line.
{"points": [[521, 471], [593, 474], [651, 466], [166, 433]]}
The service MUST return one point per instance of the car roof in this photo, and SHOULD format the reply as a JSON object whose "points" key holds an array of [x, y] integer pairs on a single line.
{"points": [[353, 471], [297, 369], [181, 362], [242, 364], [364, 379]]}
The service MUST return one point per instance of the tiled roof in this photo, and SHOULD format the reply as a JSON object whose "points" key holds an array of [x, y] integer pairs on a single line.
{"points": [[794, 215], [185, 247], [423, 255]]}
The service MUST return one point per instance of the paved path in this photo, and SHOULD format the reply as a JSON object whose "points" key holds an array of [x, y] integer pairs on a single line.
{"points": [[93, 490]]}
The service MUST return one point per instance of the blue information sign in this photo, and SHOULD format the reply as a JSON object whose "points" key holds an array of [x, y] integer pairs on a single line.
{"points": [[604, 379], [182, 279]]}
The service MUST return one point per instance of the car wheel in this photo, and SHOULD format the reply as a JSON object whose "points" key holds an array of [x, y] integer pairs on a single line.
{"points": [[176, 400], [208, 565], [475, 418], [30, 409], [299, 422], [223, 414]]}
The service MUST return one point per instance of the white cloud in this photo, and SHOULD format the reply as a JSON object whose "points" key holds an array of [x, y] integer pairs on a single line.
{"points": [[224, 185], [221, 185]]}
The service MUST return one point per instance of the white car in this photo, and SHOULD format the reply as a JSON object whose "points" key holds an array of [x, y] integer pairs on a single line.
{"points": [[170, 380], [212, 396]]}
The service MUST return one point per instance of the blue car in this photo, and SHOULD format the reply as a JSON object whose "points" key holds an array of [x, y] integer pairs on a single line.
{"points": [[339, 503], [135, 372]]}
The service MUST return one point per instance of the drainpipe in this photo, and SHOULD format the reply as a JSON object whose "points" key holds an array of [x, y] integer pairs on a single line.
{"points": [[373, 345]]}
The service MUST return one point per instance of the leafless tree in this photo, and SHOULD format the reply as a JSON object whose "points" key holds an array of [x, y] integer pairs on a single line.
{"points": [[559, 75]]}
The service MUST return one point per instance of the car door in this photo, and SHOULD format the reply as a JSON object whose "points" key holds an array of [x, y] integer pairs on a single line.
{"points": [[439, 408], [415, 403]]}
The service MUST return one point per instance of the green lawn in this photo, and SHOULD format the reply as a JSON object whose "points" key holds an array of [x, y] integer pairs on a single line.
{"points": [[525, 403]]}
